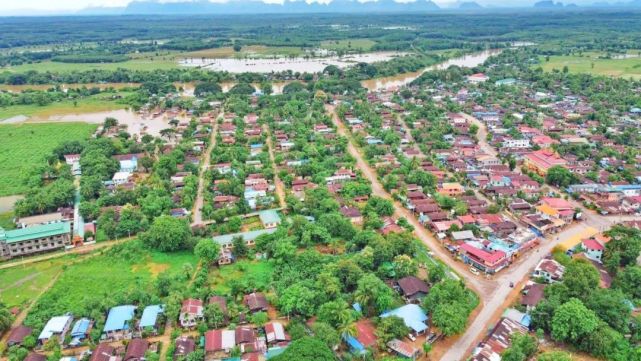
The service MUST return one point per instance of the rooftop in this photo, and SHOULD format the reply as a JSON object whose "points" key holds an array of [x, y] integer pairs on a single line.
{"points": [[37, 231], [119, 317]]}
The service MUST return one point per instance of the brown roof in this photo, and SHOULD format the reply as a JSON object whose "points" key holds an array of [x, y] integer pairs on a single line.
{"points": [[245, 334], [255, 301], [18, 334], [184, 346], [103, 352], [35, 357], [533, 295], [136, 349], [411, 285]]}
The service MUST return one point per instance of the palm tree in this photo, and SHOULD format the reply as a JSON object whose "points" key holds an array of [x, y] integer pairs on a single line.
{"points": [[347, 329]]}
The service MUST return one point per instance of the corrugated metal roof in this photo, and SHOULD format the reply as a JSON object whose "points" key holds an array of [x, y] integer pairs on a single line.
{"points": [[150, 315], [119, 317], [39, 231], [80, 328], [54, 325]]}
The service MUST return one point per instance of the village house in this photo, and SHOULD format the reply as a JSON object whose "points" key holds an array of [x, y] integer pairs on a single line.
{"points": [[184, 346], [365, 337], [150, 317], [191, 312], [17, 335], [56, 326], [412, 288], [498, 340], [486, 261], [256, 302], [541, 161], [118, 323], [549, 270], [352, 213], [105, 352], [136, 350]]}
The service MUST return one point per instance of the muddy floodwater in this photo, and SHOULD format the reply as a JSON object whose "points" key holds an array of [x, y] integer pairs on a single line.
{"points": [[136, 123], [391, 82], [310, 65]]}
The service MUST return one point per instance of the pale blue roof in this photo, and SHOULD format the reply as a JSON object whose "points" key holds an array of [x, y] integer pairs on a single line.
{"points": [[54, 325], [119, 317], [354, 344], [247, 236], [274, 351], [150, 315], [413, 316], [80, 328], [269, 216]]}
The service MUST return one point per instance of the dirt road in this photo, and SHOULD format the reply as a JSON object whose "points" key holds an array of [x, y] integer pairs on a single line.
{"points": [[280, 187], [198, 204]]}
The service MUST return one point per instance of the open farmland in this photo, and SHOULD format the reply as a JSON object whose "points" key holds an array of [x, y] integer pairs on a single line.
{"points": [[24, 146], [590, 63]]}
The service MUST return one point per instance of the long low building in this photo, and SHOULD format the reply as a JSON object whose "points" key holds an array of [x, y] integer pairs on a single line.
{"points": [[34, 239]]}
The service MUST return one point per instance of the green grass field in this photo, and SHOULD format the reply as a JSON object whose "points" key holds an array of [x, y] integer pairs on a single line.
{"points": [[590, 63], [22, 284], [255, 51], [348, 44], [138, 62], [26, 145], [96, 103], [258, 272], [6, 220], [103, 279]]}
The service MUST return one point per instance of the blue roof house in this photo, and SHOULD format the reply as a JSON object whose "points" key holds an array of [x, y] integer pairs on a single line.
{"points": [[80, 331], [149, 317], [118, 322], [413, 316]]}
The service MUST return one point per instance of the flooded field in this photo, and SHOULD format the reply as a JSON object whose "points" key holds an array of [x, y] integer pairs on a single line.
{"points": [[297, 64], [136, 123], [391, 82]]}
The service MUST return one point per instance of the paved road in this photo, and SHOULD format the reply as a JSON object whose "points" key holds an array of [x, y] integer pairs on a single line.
{"points": [[198, 203], [492, 292]]}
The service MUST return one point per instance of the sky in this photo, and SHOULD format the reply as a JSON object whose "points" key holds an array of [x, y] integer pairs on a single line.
{"points": [[65, 5]]}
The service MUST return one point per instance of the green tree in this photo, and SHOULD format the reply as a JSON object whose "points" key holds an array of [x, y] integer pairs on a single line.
{"points": [[523, 347], [629, 281], [167, 234], [6, 319], [389, 328], [326, 333], [581, 279], [373, 294], [297, 299], [560, 176], [207, 250], [240, 247], [306, 349], [573, 321], [214, 315], [450, 317]]}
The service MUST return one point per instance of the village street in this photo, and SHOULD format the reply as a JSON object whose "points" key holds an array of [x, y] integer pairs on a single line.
{"points": [[199, 202], [492, 292]]}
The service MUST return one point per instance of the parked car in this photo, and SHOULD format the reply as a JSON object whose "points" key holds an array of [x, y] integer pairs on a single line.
{"points": [[474, 271]]}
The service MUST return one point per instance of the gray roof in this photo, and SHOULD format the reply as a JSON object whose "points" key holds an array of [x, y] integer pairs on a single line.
{"points": [[247, 236]]}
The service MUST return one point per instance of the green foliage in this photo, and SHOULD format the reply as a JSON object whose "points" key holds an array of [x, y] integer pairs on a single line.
{"points": [[167, 234], [207, 250], [573, 321], [554, 356], [560, 176], [450, 303], [306, 349], [326, 333], [389, 328], [523, 348], [6, 319]]}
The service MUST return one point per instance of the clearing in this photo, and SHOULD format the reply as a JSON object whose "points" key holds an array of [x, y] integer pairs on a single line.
{"points": [[348, 44], [591, 63], [256, 273], [25, 146]]}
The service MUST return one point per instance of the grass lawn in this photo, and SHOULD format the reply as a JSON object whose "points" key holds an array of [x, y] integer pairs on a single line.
{"points": [[590, 63], [258, 272], [348, 44], [255, 51], [26, 145], [103, 280], [144, 61], [22, 284], [6, 220], [92, 104]]}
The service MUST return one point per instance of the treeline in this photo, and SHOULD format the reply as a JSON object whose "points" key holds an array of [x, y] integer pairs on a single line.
{"points": [[90, 58]]}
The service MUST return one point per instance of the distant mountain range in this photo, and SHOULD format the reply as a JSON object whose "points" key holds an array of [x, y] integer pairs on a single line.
{"points": [[205, 7], [259, 7]]}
